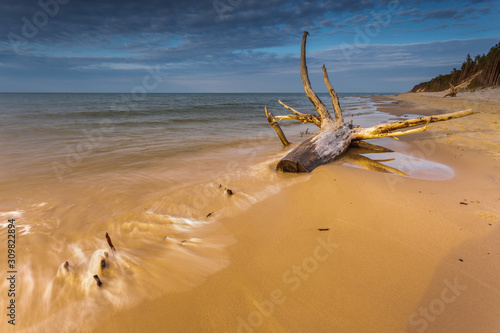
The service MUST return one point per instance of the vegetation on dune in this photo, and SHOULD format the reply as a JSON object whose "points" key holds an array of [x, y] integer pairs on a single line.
{"points": [[483, 71]]}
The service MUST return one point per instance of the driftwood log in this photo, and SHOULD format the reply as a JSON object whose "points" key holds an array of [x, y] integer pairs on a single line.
{"points": [[335, 136]]}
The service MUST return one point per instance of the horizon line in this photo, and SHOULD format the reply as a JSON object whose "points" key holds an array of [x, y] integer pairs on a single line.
{"points": [[152, 93]]}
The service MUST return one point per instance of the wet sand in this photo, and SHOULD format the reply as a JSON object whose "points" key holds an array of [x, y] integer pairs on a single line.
{"points": [[398, 254]]}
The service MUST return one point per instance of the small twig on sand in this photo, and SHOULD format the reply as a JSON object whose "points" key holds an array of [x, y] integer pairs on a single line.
{"points": [[97, 280], [66, 266], [110, 243]]}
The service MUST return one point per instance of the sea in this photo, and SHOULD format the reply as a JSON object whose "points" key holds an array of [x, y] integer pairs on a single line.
{"points": [[156, 174]]}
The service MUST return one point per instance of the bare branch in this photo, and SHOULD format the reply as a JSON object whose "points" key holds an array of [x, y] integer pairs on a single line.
{"points": [[294, 117], [333, 96], [298, 113], [272, 121], [388, 129], [302, 117], [369, 164], [318, 104], [369, 146]]}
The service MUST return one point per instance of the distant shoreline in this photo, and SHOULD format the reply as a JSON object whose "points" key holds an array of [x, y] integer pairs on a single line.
{"points": [[208, 93]]}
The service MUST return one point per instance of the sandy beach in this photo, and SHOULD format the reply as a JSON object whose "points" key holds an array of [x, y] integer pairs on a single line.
{"points": [[146, 184], [395, 254]]}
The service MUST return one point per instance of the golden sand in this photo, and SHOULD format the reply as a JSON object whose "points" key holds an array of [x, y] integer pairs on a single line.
{"points": [[400, 254]]}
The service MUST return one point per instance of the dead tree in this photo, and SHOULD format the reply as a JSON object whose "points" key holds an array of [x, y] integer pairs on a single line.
{"points": [[335, 136], [453, 91]]}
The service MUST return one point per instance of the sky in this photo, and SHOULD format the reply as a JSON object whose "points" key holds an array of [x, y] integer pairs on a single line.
{"points": [[154, 46]]}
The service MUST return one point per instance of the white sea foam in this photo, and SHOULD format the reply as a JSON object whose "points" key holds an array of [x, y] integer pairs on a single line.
{"points": [[12, 214], [148, 184]]}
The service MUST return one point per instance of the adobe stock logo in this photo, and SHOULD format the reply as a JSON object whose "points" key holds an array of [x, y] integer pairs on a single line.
{"points": [[40, 19], [420, 320], [372, 29], [223, 6], [292, 279]]}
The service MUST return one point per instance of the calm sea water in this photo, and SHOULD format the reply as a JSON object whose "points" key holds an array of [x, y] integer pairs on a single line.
{"points": [[152, 173], [62, 136]]}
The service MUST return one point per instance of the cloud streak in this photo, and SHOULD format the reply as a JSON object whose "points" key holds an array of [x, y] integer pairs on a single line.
{"points": [[108, 45]]}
